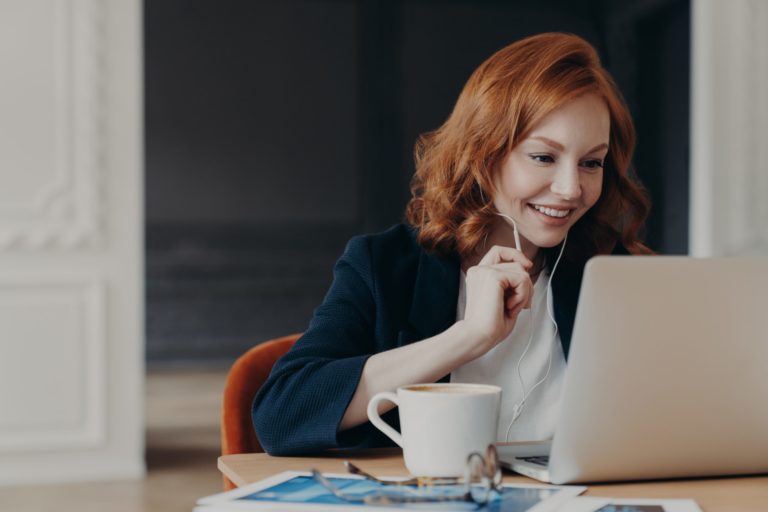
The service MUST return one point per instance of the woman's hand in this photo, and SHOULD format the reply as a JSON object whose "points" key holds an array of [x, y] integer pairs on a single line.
{"points": [[498, 288]]}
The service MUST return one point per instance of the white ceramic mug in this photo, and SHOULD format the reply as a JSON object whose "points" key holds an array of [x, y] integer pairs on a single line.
{"points": [[441, 424]]}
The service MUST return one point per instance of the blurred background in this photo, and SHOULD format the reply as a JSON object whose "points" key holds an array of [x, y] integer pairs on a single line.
{"points": [[179, 177], [277, 130]]}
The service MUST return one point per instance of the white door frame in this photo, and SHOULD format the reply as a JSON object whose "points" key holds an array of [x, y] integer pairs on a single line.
{"points": [[729, 128], [71, 241]]}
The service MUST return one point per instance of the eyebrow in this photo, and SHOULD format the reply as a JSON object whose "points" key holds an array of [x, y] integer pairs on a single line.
{"points": [[560, 147]]}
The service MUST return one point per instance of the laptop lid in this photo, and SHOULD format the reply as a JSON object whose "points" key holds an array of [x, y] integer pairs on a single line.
{"points": [[668, 371]]}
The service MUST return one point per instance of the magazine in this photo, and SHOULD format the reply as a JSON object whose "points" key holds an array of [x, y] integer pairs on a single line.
{"points": [[293, 490], [597, 504]]}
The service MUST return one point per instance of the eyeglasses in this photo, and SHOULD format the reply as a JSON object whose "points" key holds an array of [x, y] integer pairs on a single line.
{"points": [[481, 481]]}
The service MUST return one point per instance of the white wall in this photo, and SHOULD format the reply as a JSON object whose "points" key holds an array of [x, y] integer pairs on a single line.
{"points": [[71, 241], [729, 128]]}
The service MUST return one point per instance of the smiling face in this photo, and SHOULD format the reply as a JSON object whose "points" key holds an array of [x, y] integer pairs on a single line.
{"points": [[554, 175]]}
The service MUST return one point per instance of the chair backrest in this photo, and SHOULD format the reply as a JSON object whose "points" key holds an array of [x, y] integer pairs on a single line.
{"points": [[245, 378]]}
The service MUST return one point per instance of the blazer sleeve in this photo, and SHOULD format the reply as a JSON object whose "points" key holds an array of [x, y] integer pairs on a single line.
{"points": [[299, 407]]}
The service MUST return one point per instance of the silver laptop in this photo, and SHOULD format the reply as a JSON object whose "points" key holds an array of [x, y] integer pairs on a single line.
{"points": [[667, 374]]}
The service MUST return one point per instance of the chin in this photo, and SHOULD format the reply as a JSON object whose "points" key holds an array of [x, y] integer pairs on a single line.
{"points": [[547, 242]]}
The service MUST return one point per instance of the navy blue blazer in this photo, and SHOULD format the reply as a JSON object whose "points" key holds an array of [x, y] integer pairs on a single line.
{"points": [[386, 292]]}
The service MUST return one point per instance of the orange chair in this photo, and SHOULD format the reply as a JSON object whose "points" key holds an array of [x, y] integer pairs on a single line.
{"points": [[245, 378]]}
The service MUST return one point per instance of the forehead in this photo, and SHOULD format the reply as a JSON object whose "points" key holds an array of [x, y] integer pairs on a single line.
{"points": [[584, 120]]}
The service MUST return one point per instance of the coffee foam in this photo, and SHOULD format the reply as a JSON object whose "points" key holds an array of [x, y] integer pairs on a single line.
{"points": [[464, 389]]}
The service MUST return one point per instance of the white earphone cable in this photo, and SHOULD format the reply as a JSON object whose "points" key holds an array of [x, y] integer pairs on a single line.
{"points": [[517, 410]]}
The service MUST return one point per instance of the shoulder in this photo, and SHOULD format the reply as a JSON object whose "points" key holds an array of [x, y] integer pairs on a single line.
{"points": [[398, 238], [391, 248]]}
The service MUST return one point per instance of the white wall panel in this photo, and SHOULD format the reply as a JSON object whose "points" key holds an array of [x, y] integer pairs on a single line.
{"points": [[53, 351], [49, 137], [71, 241], [729, 171]]}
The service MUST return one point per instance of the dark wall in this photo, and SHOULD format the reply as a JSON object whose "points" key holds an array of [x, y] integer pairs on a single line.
{"points": [[662, 119], [251, 111], [276, 130], [252, 183]]}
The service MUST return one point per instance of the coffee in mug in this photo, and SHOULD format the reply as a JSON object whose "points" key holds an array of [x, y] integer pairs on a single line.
{"points": [[441, 424]]}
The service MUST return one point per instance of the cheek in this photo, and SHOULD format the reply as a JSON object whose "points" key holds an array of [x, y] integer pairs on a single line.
{"points": [[513, 185], [527, 183], [591, 188]]}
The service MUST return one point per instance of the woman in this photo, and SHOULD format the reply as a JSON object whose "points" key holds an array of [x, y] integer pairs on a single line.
{"points": [[526, 180]]}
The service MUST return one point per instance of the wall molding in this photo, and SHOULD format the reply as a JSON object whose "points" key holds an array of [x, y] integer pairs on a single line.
{"points": [[88, 293], [71, 241], [66, 212]]}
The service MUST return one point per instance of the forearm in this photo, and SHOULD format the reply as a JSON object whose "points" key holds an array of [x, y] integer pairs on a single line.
{"points": [[424, 361]]}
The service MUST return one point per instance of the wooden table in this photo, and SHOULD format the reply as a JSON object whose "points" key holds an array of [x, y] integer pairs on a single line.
{"points": [[734, 494]]}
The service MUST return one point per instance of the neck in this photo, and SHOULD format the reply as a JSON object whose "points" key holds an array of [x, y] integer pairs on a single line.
{"points": [[502, 234]]}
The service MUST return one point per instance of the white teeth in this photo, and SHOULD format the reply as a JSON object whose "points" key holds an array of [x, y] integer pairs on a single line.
{"points": [[551, 211]]}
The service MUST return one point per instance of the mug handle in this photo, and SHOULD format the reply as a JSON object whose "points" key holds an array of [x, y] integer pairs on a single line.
{"points": [[373, 415]]}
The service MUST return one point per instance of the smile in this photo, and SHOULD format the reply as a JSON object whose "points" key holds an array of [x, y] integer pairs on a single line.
{"points": [[551, 212]]}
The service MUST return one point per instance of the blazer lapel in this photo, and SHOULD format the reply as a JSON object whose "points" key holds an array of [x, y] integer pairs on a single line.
{"points": [[565, 291], [435, 293]]}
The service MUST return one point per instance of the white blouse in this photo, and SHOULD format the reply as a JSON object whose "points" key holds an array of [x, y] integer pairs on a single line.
{"points": [[499, 366]]}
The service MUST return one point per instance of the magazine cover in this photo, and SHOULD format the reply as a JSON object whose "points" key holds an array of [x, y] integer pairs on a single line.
{"points": [[301, 491]]}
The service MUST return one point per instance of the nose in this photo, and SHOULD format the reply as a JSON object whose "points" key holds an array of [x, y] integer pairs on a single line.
{"points": [[566, 182]]}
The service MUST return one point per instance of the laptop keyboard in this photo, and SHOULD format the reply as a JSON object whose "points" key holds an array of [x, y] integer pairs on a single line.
{"points": [[541, 460]]}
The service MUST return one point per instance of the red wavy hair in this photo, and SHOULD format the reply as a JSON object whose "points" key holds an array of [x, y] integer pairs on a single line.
{"points": [[500, 104]]}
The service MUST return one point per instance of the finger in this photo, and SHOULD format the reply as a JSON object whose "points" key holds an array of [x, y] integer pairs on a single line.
{"points": [[513, 266], [516, 285], [518, 299], [514, 312], [524, 291], [512, 273], [500, 253], [510, 280]]}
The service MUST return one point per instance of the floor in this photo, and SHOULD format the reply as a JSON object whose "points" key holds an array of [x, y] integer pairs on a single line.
{"points": [[182, 409]]}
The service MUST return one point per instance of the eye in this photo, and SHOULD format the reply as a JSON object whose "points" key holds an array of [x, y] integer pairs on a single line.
{"points": [[592, 164], [542, 158]]}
